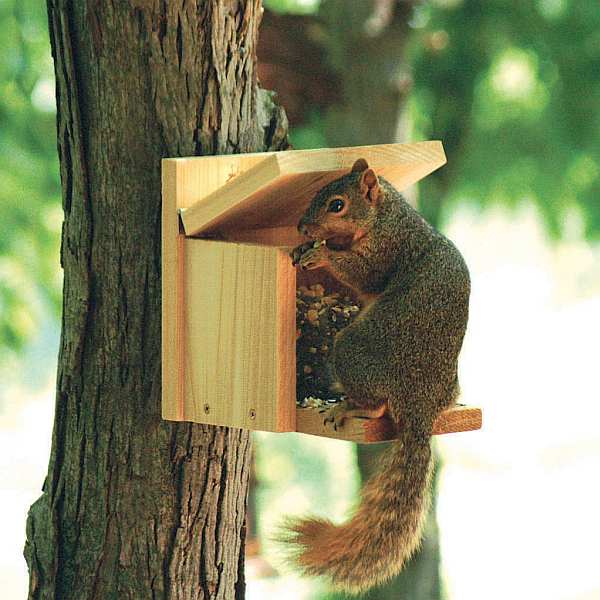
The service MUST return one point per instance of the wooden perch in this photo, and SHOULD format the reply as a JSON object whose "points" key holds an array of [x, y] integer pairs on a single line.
{"points": [[310, 420]]}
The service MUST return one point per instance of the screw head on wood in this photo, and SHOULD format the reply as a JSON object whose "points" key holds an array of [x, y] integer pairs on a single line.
{"points": [[206, 408]]}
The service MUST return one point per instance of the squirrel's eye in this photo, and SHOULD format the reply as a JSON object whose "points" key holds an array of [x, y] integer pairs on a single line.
{"points": [[336, 205]]}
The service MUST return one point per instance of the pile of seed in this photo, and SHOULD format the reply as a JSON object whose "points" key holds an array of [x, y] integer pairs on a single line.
{"points": [[319, 316]]}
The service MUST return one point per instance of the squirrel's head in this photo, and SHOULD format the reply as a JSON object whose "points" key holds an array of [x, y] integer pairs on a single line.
{"points": [[343, 211]]}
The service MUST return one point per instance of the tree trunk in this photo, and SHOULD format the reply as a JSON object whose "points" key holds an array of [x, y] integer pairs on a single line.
{"points": [[366, 51], [364, 43], [420, 578], [369, 58], [132, 506]]}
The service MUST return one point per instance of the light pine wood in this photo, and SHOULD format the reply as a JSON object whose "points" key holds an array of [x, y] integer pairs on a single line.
{"points": [[183, 181], [172, 248], [310, 420], [277, 189], [240, 333]]}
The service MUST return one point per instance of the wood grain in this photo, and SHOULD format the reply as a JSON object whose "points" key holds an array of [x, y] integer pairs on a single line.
{"points": [[172, 277], [183, 182], [240, 333], [277, 189], [310, 420]]}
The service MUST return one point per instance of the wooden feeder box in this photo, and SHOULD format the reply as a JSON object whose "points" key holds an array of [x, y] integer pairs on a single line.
{"points": [[229, 287]]}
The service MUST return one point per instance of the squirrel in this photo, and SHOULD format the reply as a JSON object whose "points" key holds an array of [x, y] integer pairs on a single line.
{"points": [[398, 358]]}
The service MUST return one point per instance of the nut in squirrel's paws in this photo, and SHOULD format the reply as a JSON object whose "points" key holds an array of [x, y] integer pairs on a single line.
{"points": [[309, 255], [298, 251], [336, 415]]}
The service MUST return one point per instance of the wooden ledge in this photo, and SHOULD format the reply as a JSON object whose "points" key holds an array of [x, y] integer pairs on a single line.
{"points": [[310, 420]]}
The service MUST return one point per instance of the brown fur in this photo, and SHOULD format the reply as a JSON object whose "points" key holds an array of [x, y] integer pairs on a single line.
{"points": [[382, 534], [400, 352]]}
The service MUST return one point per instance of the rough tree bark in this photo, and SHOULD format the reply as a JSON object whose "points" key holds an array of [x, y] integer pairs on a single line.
{"points": [[134, 507]]}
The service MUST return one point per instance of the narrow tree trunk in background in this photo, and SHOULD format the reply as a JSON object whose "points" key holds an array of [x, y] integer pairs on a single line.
{"points": [[368, 56], [364, 44], [420, 579], [134, 507]]}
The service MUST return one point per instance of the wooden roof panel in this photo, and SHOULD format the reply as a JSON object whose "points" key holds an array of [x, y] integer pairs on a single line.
{"points": [[273, 194]]}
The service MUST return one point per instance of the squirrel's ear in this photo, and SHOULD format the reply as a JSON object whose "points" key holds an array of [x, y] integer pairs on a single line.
{"points": [[369, 185], [360, 165]]}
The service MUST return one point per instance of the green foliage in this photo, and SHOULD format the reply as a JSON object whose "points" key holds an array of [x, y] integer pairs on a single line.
{"points": [[291, 470], [297, 7], [513, 90], [30, 213], [309, 135]]}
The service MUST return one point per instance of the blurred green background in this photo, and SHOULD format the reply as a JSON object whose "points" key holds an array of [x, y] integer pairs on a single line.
{"points": [[513, 90], [30, 212]]}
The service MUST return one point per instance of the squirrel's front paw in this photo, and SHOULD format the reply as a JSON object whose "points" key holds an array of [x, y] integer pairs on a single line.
{"points": [[298, 251], [310, 255]]}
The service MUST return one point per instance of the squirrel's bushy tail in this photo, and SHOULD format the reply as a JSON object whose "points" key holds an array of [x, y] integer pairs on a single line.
{"points": [[385, 530]]}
